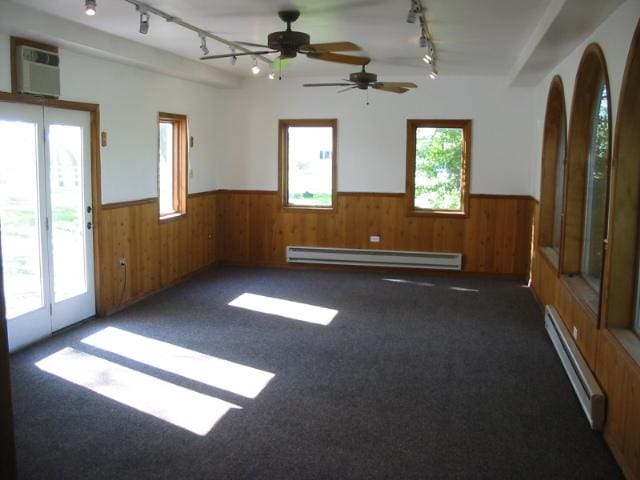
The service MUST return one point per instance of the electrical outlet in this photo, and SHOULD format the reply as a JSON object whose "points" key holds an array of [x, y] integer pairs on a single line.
{"points": [[123, 262], [575, 333], [374, 238]]}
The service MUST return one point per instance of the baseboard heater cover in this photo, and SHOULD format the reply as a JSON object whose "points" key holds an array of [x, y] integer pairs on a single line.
{"points": [[374, 258], [589, 393]]}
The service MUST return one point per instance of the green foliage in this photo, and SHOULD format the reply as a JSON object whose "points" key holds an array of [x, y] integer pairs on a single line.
{"points": [[307, 198], [601, 139], [438, 179]]}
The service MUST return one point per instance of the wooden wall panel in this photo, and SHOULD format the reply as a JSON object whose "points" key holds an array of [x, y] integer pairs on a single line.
{"points": [[619, 375], [617, 372], [585, 322], [494, 239], [158, 254]]}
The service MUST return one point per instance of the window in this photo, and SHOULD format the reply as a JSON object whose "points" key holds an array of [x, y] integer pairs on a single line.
{"points": [[172, 165], [559, 188], [554, 147], [308, 163], [587, 172], [438, 165], [621, 284], [596, 192]]}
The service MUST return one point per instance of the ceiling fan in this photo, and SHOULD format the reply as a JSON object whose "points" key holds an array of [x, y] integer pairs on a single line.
{"points": [[364, 80], [289, 43]]}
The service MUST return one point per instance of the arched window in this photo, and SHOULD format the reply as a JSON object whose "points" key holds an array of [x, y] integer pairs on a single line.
{"points": [[588, 159], [554, 145], [595, 213], [622, 284]]}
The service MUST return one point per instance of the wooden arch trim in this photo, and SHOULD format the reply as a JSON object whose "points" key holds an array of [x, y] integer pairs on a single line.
{"points": [[591, 72], [555, 130], [621, 261]]}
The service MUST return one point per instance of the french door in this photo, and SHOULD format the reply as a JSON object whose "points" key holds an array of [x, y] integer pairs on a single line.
{"points": [[45, 216]]}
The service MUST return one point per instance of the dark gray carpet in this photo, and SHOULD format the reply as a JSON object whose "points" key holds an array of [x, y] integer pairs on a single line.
{"points": [[435, 377]]}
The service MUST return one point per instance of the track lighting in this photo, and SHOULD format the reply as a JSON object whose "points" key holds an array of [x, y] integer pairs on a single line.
{"points": [[272, 75], [418, 12], [90, 7], [203, 45], [144, 21], [255, 69], [415, 10]]}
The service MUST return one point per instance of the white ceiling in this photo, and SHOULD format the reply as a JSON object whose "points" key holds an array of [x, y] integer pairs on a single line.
{"points": [[472, 37]]}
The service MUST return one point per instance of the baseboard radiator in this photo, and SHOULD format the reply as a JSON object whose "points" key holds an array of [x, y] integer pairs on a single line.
{"points": [[584, 383], [375, 258]]}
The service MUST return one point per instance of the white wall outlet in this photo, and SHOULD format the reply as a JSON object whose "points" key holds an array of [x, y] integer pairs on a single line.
{"points": [[575, 333], [374, 238]]}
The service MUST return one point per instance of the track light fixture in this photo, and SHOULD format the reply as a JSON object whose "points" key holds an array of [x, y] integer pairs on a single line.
{"points": [[90, 7], [417, 12], [414, 11], [144, 20], [146, 10], [255, 69], [272, 75], [203, 45]]}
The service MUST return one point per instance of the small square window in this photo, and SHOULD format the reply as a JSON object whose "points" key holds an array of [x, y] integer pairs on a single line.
{"points": [[307, 163], [438, 166]]}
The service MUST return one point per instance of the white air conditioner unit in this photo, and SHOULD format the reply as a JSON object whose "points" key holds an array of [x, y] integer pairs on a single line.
{"points": [[37, 71]]}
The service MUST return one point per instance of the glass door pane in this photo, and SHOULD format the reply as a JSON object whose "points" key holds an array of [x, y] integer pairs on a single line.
{"points": [[68, 161], [66, 192], [20, 218]]}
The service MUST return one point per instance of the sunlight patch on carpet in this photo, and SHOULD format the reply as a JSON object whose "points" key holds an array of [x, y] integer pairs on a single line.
{"points": [[177, 405], [285, 308], [207, 369]]}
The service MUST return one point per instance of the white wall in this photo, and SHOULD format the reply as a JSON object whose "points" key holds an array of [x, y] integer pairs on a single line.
{"points": [[614, 37], [372, 139], [130, 99]]}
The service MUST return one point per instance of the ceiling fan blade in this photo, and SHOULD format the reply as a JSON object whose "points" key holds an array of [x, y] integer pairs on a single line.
{"points": [[386, 88], [331, 47], [249, 44], [327, 84], [338, 58], [346, 89], [397, 84], [237, 54]]}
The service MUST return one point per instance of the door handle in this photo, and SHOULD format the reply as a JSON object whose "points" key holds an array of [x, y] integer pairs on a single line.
{"points": [[89, 225]]}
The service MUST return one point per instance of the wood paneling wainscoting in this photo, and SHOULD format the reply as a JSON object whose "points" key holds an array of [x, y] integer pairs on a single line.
{"points": [[158, 254], [617, 372], [494, 239]]}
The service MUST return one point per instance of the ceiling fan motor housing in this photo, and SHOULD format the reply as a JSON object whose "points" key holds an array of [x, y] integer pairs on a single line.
{"points": [[363, 79], [288, 42]]}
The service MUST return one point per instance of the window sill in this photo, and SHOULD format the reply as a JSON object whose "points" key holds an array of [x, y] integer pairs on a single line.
{"points": [[584, 293], [307, 209], [171, 217], [551, 256], [629, 341], [415, 212]]}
